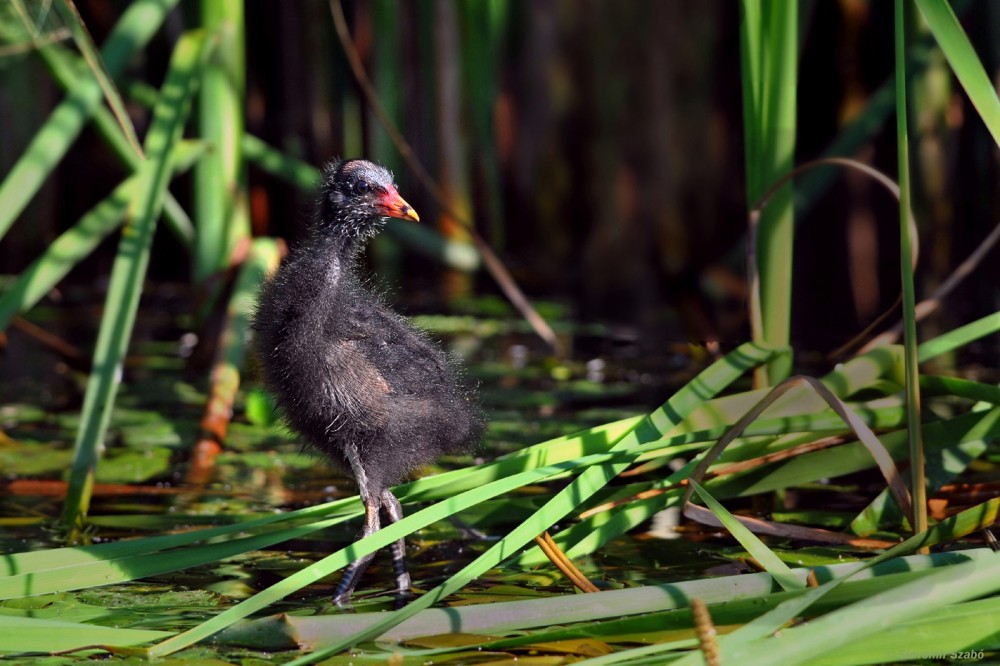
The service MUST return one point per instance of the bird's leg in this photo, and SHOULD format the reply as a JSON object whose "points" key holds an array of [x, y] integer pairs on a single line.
{"points": [[394, 512], [352, 574], [372, 502]]}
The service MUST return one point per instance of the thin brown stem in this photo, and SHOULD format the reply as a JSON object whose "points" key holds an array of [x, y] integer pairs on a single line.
{"points": [[70, 354], [756, 319], [493, 264], [563, 563], [92, 57], [58, 35], [930, 305]]}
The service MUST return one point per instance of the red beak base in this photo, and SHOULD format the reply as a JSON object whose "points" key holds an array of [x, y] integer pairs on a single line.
{"points": [[394, 205]]}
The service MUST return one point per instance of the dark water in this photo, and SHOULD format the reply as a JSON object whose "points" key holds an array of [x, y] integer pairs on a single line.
{"points": [[143, 484]]}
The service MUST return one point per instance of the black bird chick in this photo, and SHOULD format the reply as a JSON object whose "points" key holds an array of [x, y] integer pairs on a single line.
{"points": [[351, 376]]}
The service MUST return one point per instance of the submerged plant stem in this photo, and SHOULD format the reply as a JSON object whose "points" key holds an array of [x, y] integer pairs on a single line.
{"points": [[917, 475]]}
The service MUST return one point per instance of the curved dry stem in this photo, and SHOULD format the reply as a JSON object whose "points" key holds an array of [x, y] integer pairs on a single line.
{"points": [[36, 42], [930, 305], [843, 350], [753, 218], [563, 563], [858, 427], [725, 470], [493, 264], [786, 531]]}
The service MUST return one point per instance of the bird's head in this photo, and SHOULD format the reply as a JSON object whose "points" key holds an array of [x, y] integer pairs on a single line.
{"points": [[356, 196]]}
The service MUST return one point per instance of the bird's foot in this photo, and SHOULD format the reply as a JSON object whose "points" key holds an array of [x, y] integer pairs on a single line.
{"points": [[403, 584], [400, 601], [343, 601]]}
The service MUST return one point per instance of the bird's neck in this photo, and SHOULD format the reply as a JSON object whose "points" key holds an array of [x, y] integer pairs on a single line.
{"points": [[332, 257]]}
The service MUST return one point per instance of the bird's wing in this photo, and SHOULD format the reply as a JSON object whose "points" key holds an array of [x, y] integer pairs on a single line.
{"points": [[356, 384]]}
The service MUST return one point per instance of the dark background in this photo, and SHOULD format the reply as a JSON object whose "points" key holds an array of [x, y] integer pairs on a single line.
{"points": [[597, 144]]}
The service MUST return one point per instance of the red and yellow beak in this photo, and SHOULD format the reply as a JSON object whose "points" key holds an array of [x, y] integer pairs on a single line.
{"points": [[393, 205]]}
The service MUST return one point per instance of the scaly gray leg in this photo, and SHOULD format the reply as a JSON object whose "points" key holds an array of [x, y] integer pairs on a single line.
{"points": [[394, 512], [372, 502], [352, 574]]}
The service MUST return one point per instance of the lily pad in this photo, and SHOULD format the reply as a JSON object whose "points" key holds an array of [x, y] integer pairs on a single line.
{"points": [[134, 466]]}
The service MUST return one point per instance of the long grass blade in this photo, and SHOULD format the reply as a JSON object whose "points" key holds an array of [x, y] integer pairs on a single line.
{"points": [[760, 630], [701, 388], [959, 337], [26, 634], [67, 69], [943, 465], [964, 62], [947, 632], [769, 62], [89, 50], [870, 119], [649, 608], [968, 432], [650, 429], [857, 427], [66, 251], [576, 447], [219, 193], [343, 557], [771, 562], [129, 269], [42, 572], [918, 483], [135, 28], [873, 615], [125, 564]]}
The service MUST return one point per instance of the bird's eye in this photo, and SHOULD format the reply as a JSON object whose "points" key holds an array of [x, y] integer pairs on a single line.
{"points": [[362, 187]]}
